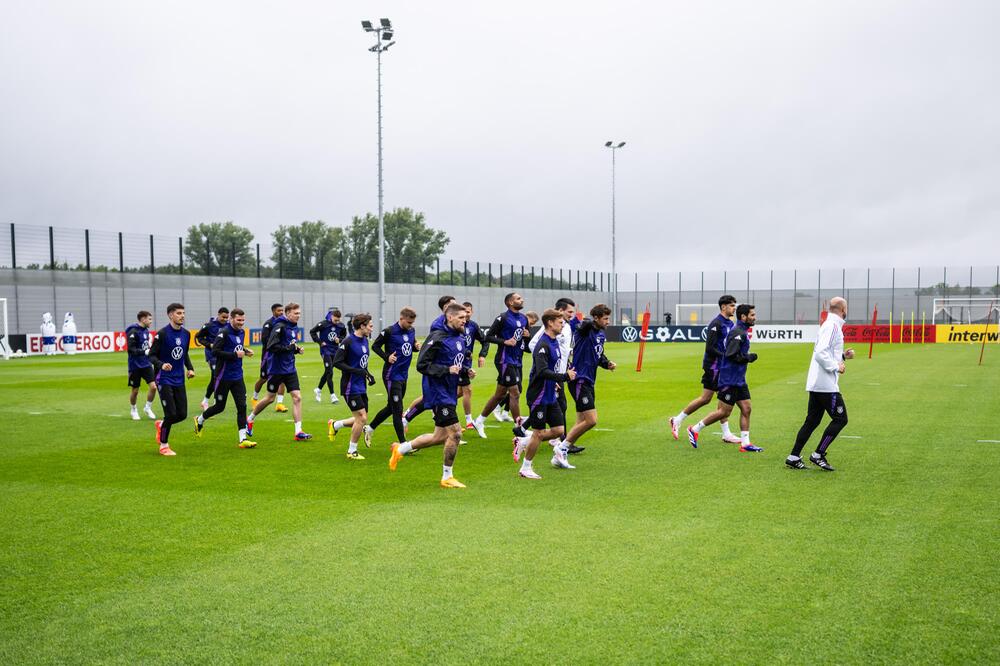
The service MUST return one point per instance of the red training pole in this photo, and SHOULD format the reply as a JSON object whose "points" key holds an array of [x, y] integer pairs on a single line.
{"points": [[642, 338], [871, 345], [989, 318]]}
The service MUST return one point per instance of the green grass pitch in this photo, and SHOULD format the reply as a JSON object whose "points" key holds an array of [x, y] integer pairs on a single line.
{"points": [[648, 552]]}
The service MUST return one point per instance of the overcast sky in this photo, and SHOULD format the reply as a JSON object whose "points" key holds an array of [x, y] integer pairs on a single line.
{"points": [[785, 134]]}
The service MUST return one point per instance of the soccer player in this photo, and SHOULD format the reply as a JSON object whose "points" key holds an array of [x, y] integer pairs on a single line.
{"points": [[280, 351], [823, 385], [543, 402], [733, 389], [507, 332], [352, 361], [395, 346], [140, 368], [439, 324], [502, 411], [229, 352], [328, 334], [206, 338], [565, 338], [277, 309], [473, 334], [169, 355], [588, 355], [715, 349], [441, 359]]}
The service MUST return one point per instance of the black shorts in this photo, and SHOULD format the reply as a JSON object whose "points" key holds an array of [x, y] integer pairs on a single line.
{"points": [[327, 362], [263, 369], [710, 379], [463, 378], [583, 395], [357, 401], [139, 375], [543, 415], [445, 415], [291, 382], [508, 375], [733, 394]]}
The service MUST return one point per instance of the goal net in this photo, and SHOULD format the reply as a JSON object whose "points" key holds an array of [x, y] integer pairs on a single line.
{"points": [[694, 314], [4, 331], [965, 310]]}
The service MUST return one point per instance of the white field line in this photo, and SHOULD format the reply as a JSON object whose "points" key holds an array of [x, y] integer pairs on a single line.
{"points": [[988, 441], [850, 436]]}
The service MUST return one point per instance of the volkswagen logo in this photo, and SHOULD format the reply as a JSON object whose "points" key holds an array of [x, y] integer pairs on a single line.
{"points": [[704, 333], [630, 334]]}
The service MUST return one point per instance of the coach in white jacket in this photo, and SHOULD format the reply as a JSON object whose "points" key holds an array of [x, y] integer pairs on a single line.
{"points": [[825, 368]]}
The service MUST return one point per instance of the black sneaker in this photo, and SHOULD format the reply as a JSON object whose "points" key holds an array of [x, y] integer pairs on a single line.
{"points": [[519, 431], [820, 461], [573, 448], [795, 464]]}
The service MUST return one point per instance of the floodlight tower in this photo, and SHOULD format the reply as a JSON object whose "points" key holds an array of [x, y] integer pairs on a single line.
{"points": [[615, 319], [383, 33]]}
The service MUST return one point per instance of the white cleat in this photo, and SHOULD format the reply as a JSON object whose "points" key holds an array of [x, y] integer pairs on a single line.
{"points": [[319, 394], [498, 414], [135, 415], [149, 413], [520, 444], [367, 430], [529, 474], [673, 427], [480, 428], [505, 416], [559, 460], [333, 399]]}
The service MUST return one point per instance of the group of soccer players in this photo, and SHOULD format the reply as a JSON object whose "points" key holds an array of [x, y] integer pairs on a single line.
{"points": [[566, 353]]}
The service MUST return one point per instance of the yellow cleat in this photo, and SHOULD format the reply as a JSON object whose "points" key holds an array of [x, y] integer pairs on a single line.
{"points": [[394, 457], [355, 456], [451, 482], [281, 408], [330, 432], [247, 444], [197, 428], [253, 403]]}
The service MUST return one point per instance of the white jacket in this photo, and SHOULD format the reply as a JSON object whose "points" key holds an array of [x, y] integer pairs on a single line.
{"points": [[565, 339], [827, 355]]}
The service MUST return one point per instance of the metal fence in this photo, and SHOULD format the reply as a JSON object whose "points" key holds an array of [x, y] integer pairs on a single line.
{"points": [[798, 296], [57, 248]]}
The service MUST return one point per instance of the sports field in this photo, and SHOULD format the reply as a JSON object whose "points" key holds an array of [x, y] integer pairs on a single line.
{"points": [[649, 551]]}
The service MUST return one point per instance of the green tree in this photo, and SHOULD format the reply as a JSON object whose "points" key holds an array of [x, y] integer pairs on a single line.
{"points": [[214, 248], [309, 250], [410, 247]]}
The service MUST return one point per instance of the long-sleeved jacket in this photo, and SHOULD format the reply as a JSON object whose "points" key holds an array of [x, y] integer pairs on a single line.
{"points": [[171, 346], [442, 349], [588, 352], [545, 376], [137, 340], [206, 337], [352, 361], [227, 343], [827, 354], [281, 348], [733, 370]]}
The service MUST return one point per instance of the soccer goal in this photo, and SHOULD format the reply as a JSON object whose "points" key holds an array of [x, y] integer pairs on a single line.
{"points": [[5, 350], [694, 314], [965, 310]]}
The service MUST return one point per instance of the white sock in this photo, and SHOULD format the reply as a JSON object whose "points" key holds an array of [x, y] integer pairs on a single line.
{"points": [[201, 419], [468, 419], [745, 436], [793, 458], [298, 427], [405, 448], [480, 419], [337, 425], [526, 465], [352, 447], [243, 434], [698, 426], [679, 419], [726, 432], [149, 404], [367, 428], [281, 398], [250, 417], [447, 473], [135, 409]]}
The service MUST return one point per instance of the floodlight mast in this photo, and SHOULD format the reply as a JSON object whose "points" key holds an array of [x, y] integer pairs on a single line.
{"points": [[616, 317], [383, 32]]}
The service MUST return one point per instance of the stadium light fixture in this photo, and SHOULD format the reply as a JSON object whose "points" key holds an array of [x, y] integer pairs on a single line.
{"points": [[383, 33], [614, 266]]}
